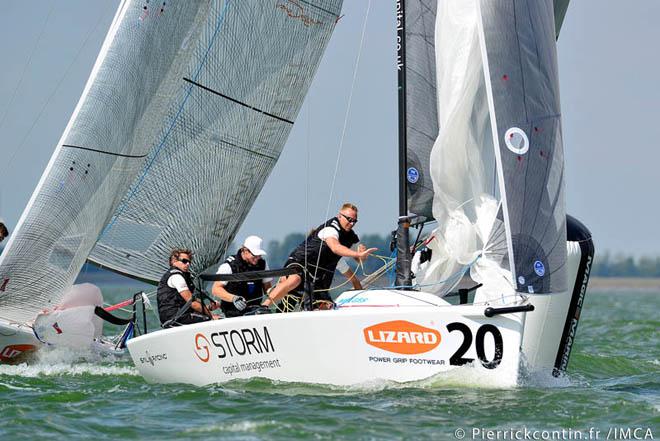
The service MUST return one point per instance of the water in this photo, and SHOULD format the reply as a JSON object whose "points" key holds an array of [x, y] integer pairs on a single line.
{"points": [[614, 383]]}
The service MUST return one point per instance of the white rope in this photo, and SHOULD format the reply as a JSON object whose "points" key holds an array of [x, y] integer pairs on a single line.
{"points": [[343, 132]]}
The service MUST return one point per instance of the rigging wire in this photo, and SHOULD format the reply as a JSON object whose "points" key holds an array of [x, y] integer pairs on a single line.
{"points": [[343, 132], [307, 180]]}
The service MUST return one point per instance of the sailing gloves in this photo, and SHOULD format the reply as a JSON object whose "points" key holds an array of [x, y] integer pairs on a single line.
{"points": [[239, 302]]}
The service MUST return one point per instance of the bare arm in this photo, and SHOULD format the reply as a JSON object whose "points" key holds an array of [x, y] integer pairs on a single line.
{"points": [[341, 250]]}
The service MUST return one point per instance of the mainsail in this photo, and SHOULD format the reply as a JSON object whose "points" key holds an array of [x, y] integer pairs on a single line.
{"points": [[421, 112], [235, 103], [100, 152]]}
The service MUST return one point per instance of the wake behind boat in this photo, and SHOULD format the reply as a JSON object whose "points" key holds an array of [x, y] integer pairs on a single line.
{"points": [[481, 153]]}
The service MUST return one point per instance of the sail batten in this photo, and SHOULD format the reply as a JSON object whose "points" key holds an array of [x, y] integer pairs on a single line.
{"points": [[106, 152], [237, 101]]}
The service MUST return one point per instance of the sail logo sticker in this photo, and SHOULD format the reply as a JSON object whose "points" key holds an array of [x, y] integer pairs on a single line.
{"points": [[539, 268], [402, 337], [413, 175], [202, 348]]}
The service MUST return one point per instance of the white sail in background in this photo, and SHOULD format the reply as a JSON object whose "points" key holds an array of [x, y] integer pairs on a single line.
{"points": [[236, 100], [101, 150], [466, 198]]}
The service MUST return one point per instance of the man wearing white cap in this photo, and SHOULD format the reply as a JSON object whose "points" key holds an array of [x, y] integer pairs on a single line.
{"points": [[237, 298]]}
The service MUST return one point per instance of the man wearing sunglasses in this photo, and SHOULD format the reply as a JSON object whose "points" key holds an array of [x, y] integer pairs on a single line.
{"points": [[176, 289], [320, 253], [238, 298]]}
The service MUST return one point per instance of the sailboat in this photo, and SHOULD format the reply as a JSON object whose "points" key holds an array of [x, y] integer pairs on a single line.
{"points": [[185, 113], [497, 288]]}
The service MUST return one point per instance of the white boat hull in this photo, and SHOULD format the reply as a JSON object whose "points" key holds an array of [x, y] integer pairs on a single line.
{"points": [[347, 346]]}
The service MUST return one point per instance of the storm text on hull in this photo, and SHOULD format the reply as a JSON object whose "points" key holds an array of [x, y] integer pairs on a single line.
{"points": [[241, 342]]}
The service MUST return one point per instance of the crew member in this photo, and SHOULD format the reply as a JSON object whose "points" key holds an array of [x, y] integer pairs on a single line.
{"points": [[238, 298], [319, 254], [175, 289]]}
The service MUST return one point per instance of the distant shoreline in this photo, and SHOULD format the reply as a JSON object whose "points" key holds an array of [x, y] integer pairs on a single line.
{"points": [[607, 283], [595, 283]]}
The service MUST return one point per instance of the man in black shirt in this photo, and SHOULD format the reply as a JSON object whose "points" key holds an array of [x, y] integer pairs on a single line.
{"points": [[175, 289], [320, 252], [237, 298]]}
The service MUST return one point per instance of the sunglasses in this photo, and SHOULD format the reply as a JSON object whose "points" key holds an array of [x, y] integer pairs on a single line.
{"points": [[349, 219], [185, 261]]}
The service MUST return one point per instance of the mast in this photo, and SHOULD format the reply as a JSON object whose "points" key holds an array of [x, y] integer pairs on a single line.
{"points": [[403, 258]]}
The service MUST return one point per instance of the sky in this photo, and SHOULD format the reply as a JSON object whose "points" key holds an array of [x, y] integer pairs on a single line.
{"points": [[608, 65]]}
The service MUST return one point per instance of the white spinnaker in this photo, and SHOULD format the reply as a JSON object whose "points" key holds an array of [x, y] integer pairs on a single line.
{"points": [[101, 150], [237, 102], [466, 201]]}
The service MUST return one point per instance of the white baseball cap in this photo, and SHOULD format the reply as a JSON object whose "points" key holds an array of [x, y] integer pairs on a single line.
{"points": [[253, 243]]}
